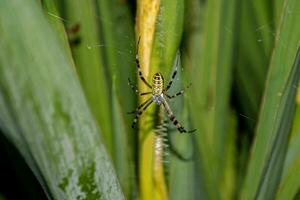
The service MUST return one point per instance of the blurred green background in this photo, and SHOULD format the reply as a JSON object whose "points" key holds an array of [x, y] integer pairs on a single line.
{"points": [[64, 95]]}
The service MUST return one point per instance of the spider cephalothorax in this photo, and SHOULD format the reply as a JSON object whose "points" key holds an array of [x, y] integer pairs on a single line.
{"points": [[158, 96]]}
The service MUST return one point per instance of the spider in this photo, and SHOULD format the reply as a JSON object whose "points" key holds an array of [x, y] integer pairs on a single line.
{"points": [[158, 96]]}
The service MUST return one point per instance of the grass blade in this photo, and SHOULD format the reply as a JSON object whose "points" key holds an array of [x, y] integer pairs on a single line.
{"points": [[211, 78], [57, 23], [181, 171], [255, 43], [123, 159], [146, 21], [157, 50], [117, 44], [90, 64], [290, 183], [40, 93], [270, 144]]}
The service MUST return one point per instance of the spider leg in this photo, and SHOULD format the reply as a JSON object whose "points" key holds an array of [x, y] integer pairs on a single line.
{"points": [[172, 79], [139, 107], [139, 67], [178, 93], [171, 116], [140, 112], [145, 93]]}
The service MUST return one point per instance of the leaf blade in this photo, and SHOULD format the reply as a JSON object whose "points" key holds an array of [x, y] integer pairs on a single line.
{"points": [[272, 113], [48, 108]]}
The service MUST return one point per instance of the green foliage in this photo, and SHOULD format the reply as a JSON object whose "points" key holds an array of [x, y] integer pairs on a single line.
{"points": [[44, 111], [64, 67], [272, 133]]}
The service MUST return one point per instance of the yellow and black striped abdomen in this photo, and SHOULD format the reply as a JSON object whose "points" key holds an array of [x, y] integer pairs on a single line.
{"points": [[157, 84]]}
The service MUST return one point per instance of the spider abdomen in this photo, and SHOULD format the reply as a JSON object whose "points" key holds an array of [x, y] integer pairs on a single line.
{"points": [[157, 84]]}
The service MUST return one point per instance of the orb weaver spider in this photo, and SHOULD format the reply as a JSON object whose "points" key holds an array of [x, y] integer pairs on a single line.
{"points": [[158, 92]]}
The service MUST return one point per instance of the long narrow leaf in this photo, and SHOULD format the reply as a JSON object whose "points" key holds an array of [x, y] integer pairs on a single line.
{"points": [[255, 42], [117, 50], [290, 183], [146, 21], [89, 62], [211, 78], [272, 133], [41, 95], [123, 159], [158, 46]]}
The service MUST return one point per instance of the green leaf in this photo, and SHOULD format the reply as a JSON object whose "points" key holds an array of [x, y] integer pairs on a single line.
{"points": [[163, 47], [117, 44], [44, 112], [117, 48], [57, 23], [211, 75], [268, 151], [123, 158], [180, 159], [290, 183], [168, 34], [255, 42], [90, 64]]}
